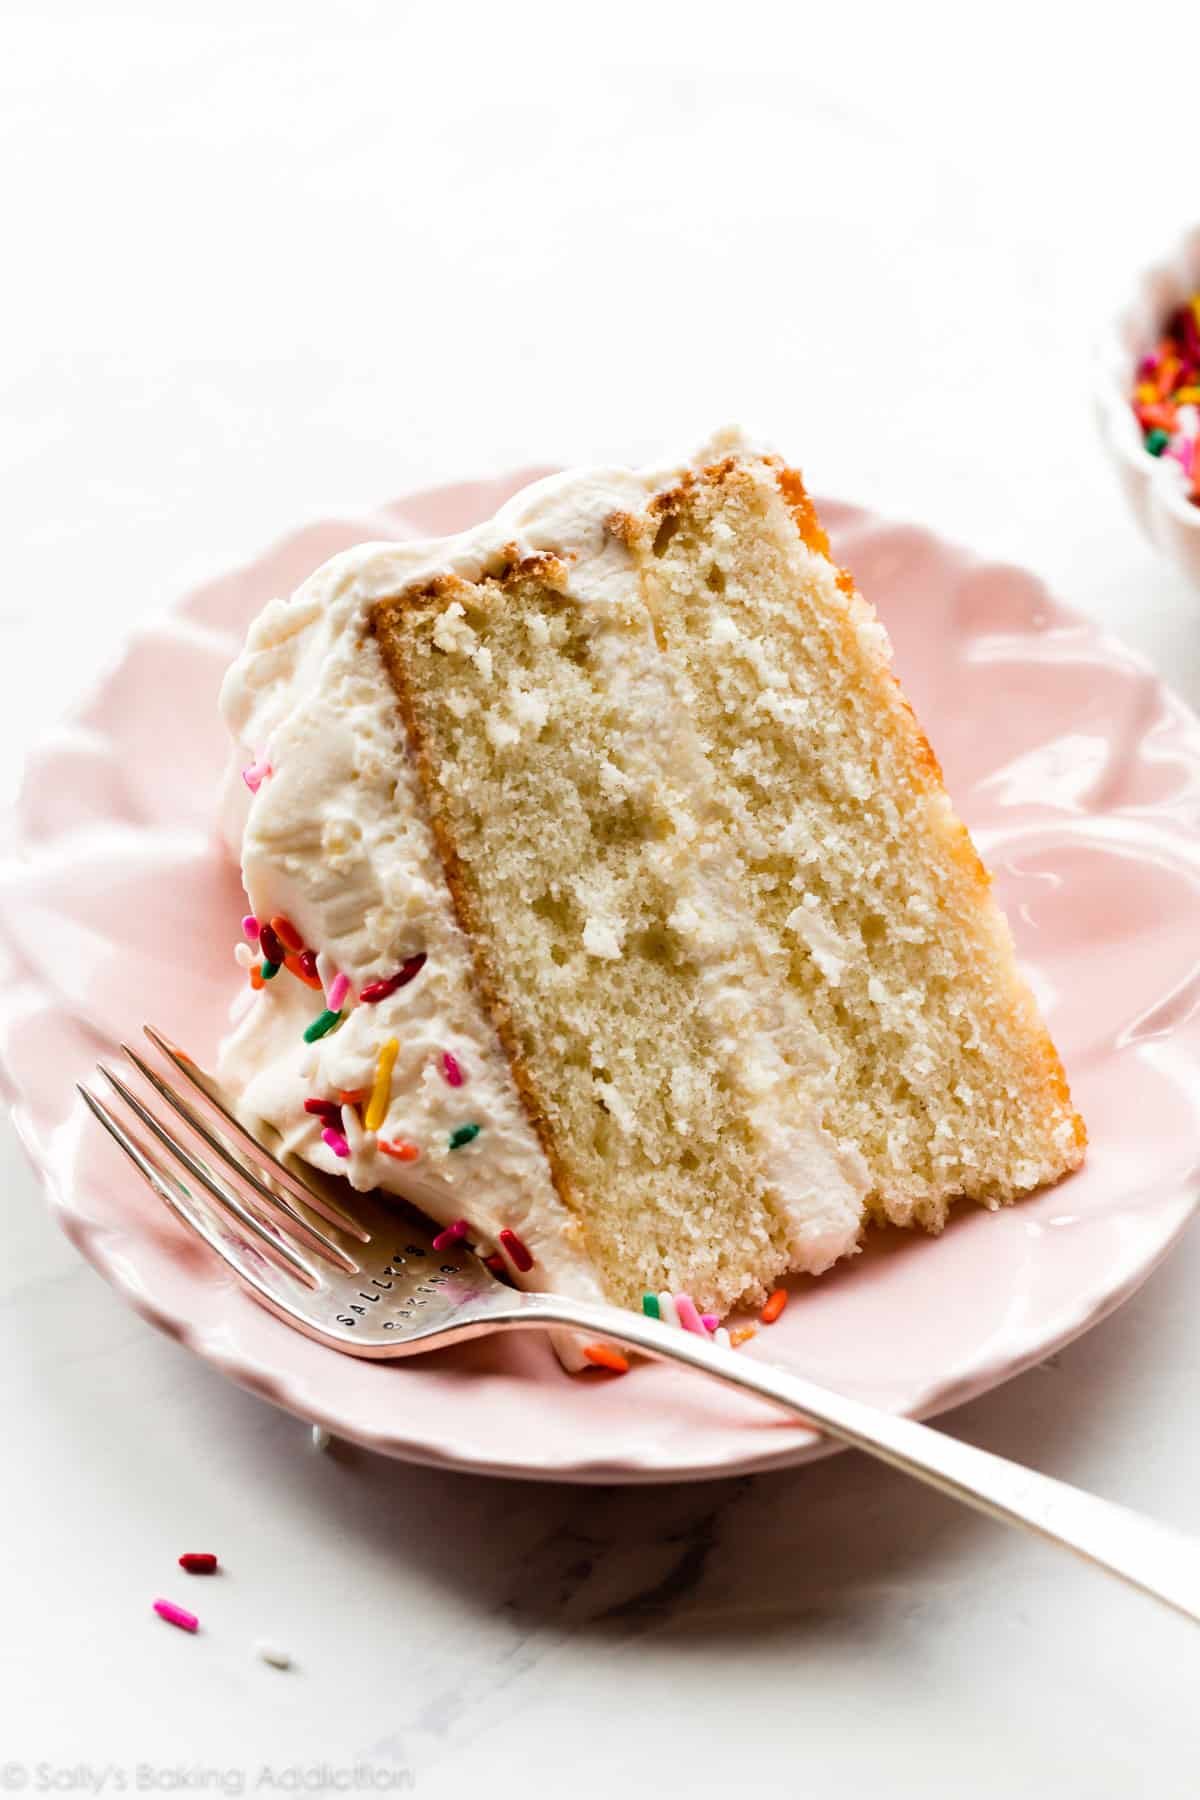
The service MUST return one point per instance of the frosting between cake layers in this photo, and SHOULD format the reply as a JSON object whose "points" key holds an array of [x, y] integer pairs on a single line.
{"points": [[335, 839]]}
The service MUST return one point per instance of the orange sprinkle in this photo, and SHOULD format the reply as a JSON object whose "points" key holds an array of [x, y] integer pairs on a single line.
{"points": [[773, 1308], [742, 1335], [287, 934], [400, 1150], [352, 1096], [603, 1356], [292, 961], [256, 979]]}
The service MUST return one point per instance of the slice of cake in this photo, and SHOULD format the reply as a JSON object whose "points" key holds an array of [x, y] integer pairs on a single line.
{"points": [[651, 951]]}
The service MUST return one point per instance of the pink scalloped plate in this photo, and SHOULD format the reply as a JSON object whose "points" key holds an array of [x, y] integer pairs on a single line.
{"points": [[1079, 774]]}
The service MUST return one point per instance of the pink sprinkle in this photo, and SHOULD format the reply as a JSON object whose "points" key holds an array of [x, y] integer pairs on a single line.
{"points": [[451, 1235], [452, 1069], [250, 927], [689, 1318], [339, 987], [255, 773], [175, 1615], [710, 1321], [336, 1141]]}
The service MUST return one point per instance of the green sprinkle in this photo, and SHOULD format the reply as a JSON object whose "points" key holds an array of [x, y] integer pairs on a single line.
{"points": [[321, 1025], [464, 1135], [269, 970], [650, 1306], [1156, 441]]}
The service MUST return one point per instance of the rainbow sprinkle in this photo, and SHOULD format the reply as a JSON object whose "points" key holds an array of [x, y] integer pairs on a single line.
{"points": [[375, 991], [603, 1356], [321, 1026], [287, 933], [458, 1228], [381, 1090], [687, 1314], [336, 1141], [465, 1134], [339, 987], [250, 927], [255, 773], [401, 1151], [774, 1306], [271, 945], [270, 970], [680, 1310], [518, 1254], [1166, 395], [452, 1069]]}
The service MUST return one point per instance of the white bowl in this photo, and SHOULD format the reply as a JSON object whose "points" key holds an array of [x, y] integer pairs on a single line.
{"points": [[1155, 485]]}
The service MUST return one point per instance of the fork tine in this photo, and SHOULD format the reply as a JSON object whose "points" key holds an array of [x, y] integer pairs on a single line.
{"points": [[226, 1201], [171, 1191], [208, 1088], [281, 1209]]}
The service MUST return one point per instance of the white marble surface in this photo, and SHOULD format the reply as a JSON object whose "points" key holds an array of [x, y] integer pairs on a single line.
{"points": [[265, 259]]}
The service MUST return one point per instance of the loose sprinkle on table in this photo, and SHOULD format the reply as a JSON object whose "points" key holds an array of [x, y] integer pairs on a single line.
{"points": [[465, 1134], [774, 1306], [176, 1615], [321, 1026], [458, 1228], [381, 1090], [603, 1356], [271, 1653], [336, 1141], [198, 1562], [517, 1251], [379, 990], [742, 1335], [399, 1149], [452, 1069]]}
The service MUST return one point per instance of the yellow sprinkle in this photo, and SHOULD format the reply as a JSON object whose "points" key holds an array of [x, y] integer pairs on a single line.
{"points": [[1195, 306], [1146, 392], [381, 1090], [1187, 396]]}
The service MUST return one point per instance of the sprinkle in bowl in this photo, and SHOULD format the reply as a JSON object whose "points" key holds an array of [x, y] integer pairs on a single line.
{"points": [[1128, 359]]}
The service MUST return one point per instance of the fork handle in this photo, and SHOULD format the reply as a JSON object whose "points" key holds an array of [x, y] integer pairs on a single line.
{"points": [[1153, 1557]]}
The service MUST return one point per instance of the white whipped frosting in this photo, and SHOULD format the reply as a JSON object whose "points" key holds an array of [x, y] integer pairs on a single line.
{"points": [[335, 839]]}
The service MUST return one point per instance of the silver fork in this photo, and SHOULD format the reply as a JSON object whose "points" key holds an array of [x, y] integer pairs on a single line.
{"points": [[371, 1284]]}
